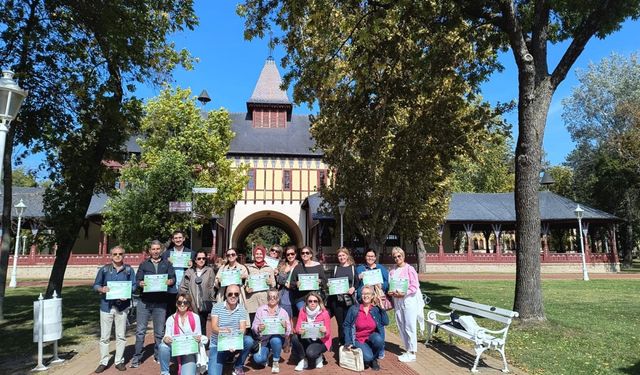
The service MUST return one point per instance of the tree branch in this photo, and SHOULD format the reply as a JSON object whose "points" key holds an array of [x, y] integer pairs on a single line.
{"points": [[539, 37], [511, 26]]}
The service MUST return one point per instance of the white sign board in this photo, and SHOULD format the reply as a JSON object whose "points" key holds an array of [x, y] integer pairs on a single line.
{"points": [[203, 190], [179, 206], [52, 327]]}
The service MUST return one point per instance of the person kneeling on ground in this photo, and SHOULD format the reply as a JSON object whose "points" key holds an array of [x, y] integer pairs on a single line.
{"points": [[268, 317], [183, 323], [364, 328], [226, 317], [313, 333]]}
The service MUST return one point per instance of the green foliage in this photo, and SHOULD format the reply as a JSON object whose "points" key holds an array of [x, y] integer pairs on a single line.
{"points": [[181, 149], [490, 170], [396, 86], [24, 178], [564, 183], [266, 236]]}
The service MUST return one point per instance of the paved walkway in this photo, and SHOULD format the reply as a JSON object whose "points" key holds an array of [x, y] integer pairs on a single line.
{"points": [[436, 359]]}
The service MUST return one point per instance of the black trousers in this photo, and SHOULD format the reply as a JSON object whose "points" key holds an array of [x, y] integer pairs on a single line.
{"points": [[307, 349], [339, 310]]}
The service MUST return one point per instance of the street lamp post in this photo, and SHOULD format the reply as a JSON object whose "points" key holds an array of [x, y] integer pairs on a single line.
{"points": [[11, 97], [579, 211], [342, 205], [19, 211]]}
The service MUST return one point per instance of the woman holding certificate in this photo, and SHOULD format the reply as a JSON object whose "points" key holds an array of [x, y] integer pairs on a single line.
{"points": [[364, 328], [313, 330], [182, 337], [198, 283], [404, 288], [231, 273], [259, 280], [283, 279], [308, 276], [271, 325], [342, 289], [372, 273]]}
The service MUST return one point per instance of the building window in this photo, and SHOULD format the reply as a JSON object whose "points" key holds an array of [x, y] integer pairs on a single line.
{"points": [[322, 178], [286, 180], [251, 185]]}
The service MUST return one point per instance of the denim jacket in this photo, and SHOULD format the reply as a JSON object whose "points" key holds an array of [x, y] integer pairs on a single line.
{"points": [[385, 277], [379, 315], [109, 273]]}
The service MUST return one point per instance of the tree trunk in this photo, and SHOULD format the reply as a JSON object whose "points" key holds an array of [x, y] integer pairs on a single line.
{"points": [[422, 256], [7, 206], [534, 101], [628, 251]]}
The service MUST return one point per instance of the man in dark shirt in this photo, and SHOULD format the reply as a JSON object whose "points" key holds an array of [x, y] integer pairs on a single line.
{"points": [[178, 249], [153, 303]]}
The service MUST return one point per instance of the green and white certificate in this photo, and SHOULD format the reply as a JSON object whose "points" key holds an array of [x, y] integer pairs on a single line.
{"points": [[230, 277], [399, 285], [155, 283], [272, 262], [180, 260], [258, 282], [183, 344], [338, 285], [233, 340], [372, 277], [311, 330], [119, 290], [273, 326], [308, 281]]}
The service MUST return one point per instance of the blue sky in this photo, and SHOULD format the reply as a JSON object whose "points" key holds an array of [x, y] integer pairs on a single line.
{"points": [[229, 67]]}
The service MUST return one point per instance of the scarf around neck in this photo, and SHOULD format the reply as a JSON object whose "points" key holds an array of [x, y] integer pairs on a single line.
{"points": [[312, 314]]}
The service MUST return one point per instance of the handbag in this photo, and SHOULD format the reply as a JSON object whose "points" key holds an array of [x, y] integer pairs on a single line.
{"points": [[385, 303], [351, 359]]}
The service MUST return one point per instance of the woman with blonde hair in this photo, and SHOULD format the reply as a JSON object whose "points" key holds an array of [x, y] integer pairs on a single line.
{"points": [[308, 350], [308, 266], [408, 303], [231, 263], [339, 304]]}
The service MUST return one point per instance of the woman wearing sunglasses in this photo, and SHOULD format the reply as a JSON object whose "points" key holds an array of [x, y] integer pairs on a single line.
{"points": [[408, 304], [283, 279], [183, 323], [229, 316], [306, 346], [231, 263], [198, 283], [364, 328], [268, 318], [308, 266]]}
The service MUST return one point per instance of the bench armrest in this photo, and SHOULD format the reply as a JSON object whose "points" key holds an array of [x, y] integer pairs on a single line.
{"points": [[434, 314], [481, 333]]}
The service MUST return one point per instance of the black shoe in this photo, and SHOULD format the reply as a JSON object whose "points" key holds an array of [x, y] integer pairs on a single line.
{"points": [[134, 364], [121, 367], [100, 369], [375, 366]]}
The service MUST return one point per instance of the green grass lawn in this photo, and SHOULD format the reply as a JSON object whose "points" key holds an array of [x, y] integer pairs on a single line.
{"points": [[80, 317], [592, 327]]}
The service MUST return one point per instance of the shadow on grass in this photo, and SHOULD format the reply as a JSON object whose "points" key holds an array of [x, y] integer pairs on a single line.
{"points": [[632, 370], [454, 354]]}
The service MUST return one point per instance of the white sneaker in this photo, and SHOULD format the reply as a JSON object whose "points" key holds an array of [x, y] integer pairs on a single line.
{"points": [[275, 367], [320, 362], [407, 357], [302, 365]]}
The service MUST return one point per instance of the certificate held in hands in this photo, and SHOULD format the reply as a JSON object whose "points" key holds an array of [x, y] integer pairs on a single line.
{"points": [[338, 285], [273, 326], [308, 281], [311, 330], [373, 277], [119, 290], [258, 282], [230, 277], [183, 344], [230, 340], [399, 285], [180, 260], [155, 283]]}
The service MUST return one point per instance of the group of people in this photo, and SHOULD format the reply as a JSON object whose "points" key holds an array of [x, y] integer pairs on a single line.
{"points": [[283, 301]]}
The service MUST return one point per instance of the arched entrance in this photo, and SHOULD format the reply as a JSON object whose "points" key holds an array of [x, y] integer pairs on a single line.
{"points": [[264, 218]]}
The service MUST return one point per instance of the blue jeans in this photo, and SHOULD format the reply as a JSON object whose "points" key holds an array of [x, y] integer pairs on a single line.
{"points": [[217, 359], [275, 344], [187, 367], [144, 311], [372, 348]]}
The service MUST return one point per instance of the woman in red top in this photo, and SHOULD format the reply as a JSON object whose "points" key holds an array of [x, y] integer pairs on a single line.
{"points": [[307, 345]]}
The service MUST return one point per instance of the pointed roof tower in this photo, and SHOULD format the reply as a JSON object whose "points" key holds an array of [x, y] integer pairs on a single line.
{"points": [[267, 93]]}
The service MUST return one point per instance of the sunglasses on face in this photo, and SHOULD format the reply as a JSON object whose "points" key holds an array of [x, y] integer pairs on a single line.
{"points": [[397, 256], [117, 254], [273, 250], [183, 303], [291, 254], [305, 253], [231, 254], [201, 258], [233, 294], [312, 301]]}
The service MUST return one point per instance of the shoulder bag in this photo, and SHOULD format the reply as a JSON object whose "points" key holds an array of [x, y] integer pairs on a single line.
{"points": [[351, 359]]}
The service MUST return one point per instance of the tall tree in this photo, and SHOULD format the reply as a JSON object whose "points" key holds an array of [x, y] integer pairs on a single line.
{"points": [[527, 28], [396, 85], [181, 149], [79, 59], [23, 177], [601, 115]]}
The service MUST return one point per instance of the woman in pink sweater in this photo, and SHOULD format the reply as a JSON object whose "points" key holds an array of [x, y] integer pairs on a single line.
{"points": [[313, 333]]}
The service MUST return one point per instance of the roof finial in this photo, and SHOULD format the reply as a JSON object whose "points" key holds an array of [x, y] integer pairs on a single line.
{"points": [[270, 46]]}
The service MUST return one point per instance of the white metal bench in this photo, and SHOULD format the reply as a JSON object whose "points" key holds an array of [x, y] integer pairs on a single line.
{"points": [[482, 338]]}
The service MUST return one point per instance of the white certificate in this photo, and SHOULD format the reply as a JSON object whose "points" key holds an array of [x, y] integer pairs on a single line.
{"points": [[308, 281], [272, 262], [155, 283], [338, 285], [399, 285], [233, 340], [183, 344], [311, 330], [230, 277], [372, 277], [258, 282], [180, 260], [119, 290], [273, 326]]}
